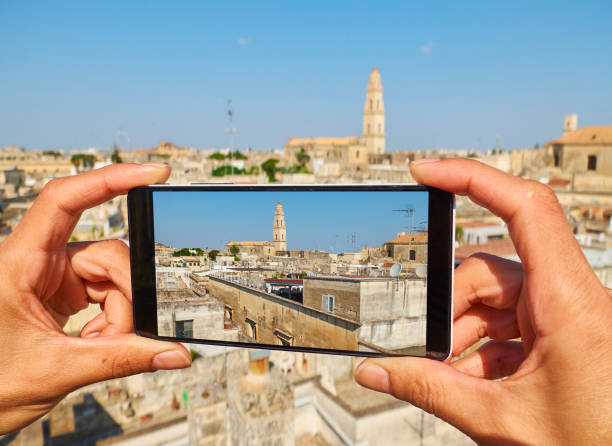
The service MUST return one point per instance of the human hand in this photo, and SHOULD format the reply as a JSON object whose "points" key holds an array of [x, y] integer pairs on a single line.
{"points": [[558, 388], [44, 281]]}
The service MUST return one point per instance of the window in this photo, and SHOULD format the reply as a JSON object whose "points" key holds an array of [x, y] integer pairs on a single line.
{"points": [[228, 312], [368, 129], [377, 104], [412, 254], [251, 328], [283, 338], [357, 153], [371, 105], [327, 303], [184, 329], [592, 162], [379, 129]]}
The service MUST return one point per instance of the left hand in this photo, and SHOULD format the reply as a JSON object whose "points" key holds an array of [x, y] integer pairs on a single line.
{"points": [[45, 281]]}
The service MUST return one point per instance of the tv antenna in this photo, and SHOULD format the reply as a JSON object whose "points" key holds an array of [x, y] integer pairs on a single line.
{"points": [[230, 130], [410, 211]]}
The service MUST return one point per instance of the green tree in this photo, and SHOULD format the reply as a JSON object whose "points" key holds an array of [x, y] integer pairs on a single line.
{"points": [[234, 250], [217, 156], [212, 255], [269, 167], [459, 233], [84, 160], [302, 157], [238, 155], [115, 158]]}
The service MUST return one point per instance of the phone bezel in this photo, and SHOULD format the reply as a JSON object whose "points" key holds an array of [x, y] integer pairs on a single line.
{"points": [[440, 262]]}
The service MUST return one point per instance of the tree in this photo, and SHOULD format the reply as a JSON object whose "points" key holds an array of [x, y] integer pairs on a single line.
{"points": [[302, 157], [115, 158], [269, 167], [212, 255], [216, 156], [234, 250], [459, 233]]}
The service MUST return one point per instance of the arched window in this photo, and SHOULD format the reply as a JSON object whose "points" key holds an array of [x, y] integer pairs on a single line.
{"points": [[377, 104], [368, 129], [379, 128], [371, 105]]}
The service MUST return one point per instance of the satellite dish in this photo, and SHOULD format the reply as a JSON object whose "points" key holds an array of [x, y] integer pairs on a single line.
{"points": [[379, 266], [421, 271], [396, 269]]}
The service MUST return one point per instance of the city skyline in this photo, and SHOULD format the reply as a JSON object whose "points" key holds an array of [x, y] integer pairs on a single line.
{"points": [[183, 219], [456, 76]]}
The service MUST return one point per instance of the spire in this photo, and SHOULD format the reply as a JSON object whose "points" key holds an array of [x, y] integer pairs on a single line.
{"points": [[374, 83]]}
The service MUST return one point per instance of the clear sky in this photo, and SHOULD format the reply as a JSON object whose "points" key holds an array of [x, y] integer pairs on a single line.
{"points": [[456, 74], [314, 220]]}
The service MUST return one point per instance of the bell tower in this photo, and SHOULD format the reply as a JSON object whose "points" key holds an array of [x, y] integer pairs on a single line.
{"points": [[279, 231], [374, 115]]}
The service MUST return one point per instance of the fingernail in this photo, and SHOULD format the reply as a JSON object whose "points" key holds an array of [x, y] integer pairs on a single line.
{"points": [[424, 161], [156, 165], [373, 377], [170, 360], [92, 334]]}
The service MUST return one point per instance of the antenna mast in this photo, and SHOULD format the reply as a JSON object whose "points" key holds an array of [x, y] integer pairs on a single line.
{"points": [[409, 211], [230, 130]]}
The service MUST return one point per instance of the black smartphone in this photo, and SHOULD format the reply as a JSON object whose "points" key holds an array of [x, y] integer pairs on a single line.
{"points": [[345, 269]]}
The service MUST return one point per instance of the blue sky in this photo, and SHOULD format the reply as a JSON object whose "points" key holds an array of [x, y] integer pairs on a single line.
{"points": [[314, 220], [456, 74]]}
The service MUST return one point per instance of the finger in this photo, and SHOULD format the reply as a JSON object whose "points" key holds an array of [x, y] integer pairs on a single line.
{"points": [[435, 387], [495, 359], [51, 219], [94, 327], [117, 310], [530, 208], [488, 279], [481, 321], [539, 230], [100, 358], [105, 261]]}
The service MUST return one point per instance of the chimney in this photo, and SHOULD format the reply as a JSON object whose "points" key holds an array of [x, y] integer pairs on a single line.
{"points": [[570, 123], [259, 362]]}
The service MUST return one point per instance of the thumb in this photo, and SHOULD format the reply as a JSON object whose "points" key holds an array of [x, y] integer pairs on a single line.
{"points": [[97, 359], [462, 400]]}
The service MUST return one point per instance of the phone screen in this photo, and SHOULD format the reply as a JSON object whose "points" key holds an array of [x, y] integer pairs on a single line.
{"points": [[337, 270]]}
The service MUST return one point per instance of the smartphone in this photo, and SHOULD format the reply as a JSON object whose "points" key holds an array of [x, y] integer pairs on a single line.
{"points": [[344, 269]]}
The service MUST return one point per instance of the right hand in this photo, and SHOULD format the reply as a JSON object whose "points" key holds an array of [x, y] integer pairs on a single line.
{"points": [[558, 388]]}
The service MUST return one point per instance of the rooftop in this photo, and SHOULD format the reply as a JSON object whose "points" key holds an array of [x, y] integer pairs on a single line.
{"points": [[323, 141], [418, 237], [587, 135]]}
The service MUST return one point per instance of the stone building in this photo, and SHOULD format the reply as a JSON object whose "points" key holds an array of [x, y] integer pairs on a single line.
{"points": [[374, 115], [584, 150], [260, 405], [345, 313], [408, 247], [279, 230], [350, 152], [259, 248], [391, 312], [262, 249]]}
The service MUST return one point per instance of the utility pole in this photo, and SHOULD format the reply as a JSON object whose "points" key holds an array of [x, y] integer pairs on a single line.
{"points": [[230, 131]]}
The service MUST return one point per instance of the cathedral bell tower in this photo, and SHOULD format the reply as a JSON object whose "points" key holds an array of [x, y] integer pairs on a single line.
{"points": [[279, 231], [374, 115]]}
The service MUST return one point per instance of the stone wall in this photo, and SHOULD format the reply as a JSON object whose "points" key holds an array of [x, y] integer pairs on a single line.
{"points": [[307, 327]]}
